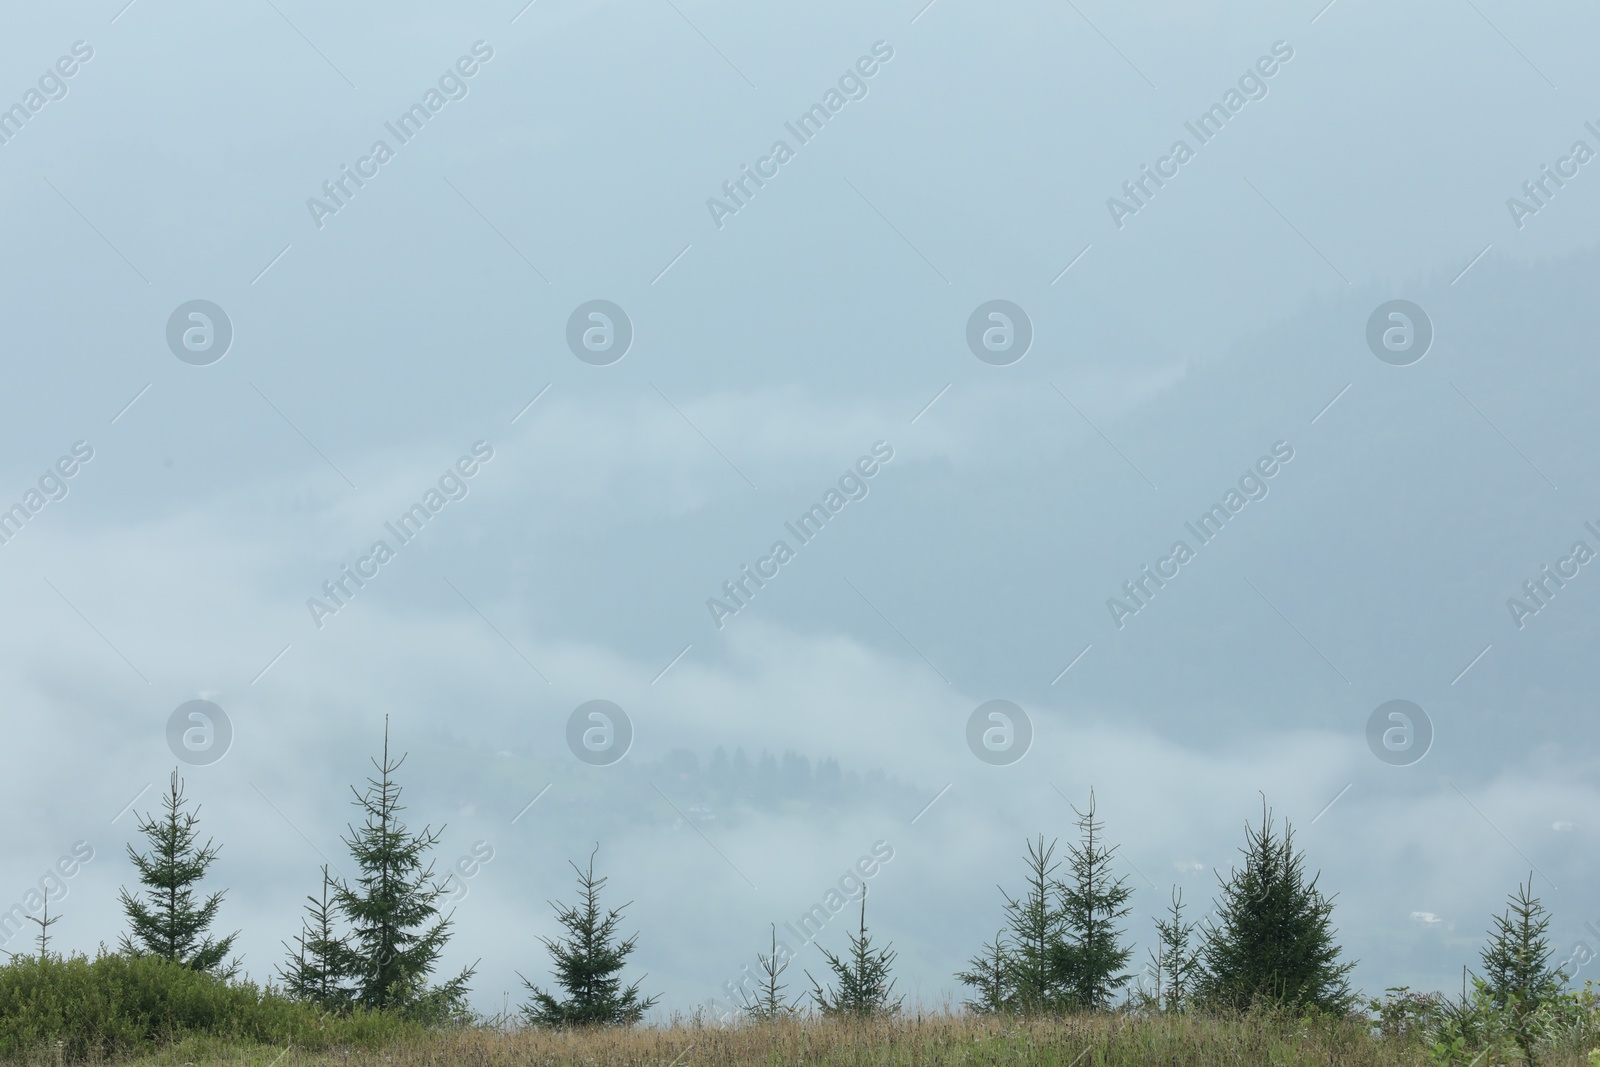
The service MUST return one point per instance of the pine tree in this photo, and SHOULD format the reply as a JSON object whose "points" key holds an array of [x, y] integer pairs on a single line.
{"points": [[991, 974], [769, 1002], [862, 985], [1174, 961], [586, 965], [1091, 953], [1036, 927], [1516, 963], [320, 961], [396, 931], [169, 922], [1273, 942]]}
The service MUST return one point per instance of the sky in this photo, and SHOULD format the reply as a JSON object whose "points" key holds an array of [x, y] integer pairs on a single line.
{"points": [[580, 345]]}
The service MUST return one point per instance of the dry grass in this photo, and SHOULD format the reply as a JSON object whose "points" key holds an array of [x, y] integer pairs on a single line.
{"points": [[1084, 1041]]}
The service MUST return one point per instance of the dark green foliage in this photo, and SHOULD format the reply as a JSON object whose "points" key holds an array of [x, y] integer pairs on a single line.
{"points": [[170, 922], [1034, 925], [320, 962], [587, 962], [118, 1005], [1517, 975], [990, 975], [1516, 961], [769, 1002], [1273, 942], [1174, 961], [1091, 956], [862, 986], [396, 932], [1062, 948]]}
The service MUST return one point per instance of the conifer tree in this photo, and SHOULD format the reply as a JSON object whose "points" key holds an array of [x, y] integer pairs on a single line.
{"points": [[1516, 963], [1036, 928], [862, 986], [1091, 955], [991, 974], [587, 962], [1273, 941], [1174, 961], [769, 1002], [44, 923], [170, 922], [396, 931], [320, 962]]}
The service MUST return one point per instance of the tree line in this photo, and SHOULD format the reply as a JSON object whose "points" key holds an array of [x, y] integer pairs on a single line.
{"points": [[374, 942]]}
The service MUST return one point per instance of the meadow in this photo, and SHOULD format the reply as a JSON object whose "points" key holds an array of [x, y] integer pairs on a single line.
{"points": [[1071, 1041]]}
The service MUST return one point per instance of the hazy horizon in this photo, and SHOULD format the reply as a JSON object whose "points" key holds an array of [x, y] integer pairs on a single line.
{"points": [[580, 347]]}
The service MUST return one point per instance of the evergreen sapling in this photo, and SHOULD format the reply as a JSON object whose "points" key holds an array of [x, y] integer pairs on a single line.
{"points": [[587, 962], [1174, 961], [1517, 975], [320, 962], [1273, 940], [991, 975], [44, 923], [769, 1002], [1091, 955], [170, 922], [396, 931], [1035, 925], [862, 988]]}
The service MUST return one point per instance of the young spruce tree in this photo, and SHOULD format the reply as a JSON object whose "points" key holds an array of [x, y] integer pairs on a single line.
{"points": [[1092, 955], [862, 986], [320, 961], [1516, 963], [44, 923], [170, 922], [587, 962], [396, 931], [1273, 942], [1174, 962], [1035, 927], [991, 975], [769, 1002]]}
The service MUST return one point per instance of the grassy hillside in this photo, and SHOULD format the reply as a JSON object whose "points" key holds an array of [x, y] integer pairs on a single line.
{"points": [[1118, 1041]]}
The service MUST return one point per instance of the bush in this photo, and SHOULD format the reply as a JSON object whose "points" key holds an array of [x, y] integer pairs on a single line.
{"points": [[1564, 1025], [1406, 1015], [118, 1004]]}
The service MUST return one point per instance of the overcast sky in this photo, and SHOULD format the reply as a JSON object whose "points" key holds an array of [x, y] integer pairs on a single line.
{"points": [[1349, 324]]}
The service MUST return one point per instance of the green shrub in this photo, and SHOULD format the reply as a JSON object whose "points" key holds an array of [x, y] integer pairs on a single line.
{"points": [[1406, 1015], [1480, 1029], [118, 1004]]}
